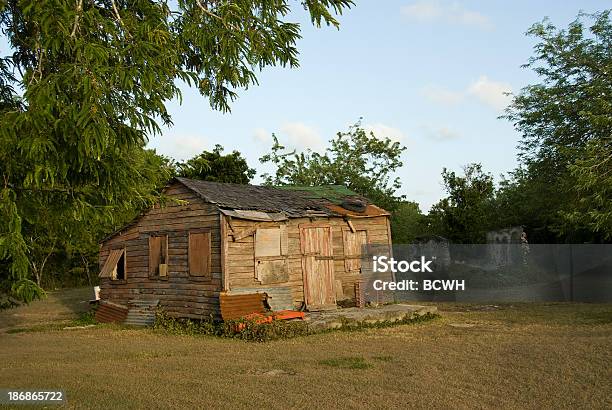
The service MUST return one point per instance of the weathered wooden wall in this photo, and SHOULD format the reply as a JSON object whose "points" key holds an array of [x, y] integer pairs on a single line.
{"points": [[180, 294], [240, 257]]}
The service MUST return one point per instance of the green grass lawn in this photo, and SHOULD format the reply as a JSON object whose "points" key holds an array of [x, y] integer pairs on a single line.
{"points": [[509, 356]]}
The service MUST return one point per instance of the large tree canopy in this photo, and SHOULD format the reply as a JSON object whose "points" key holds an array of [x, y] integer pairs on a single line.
{"points": [[86, 82], [464, 216], [566, 123], [217, 167], [356, 159]]}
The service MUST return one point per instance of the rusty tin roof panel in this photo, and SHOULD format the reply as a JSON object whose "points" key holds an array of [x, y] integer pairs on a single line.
{"points": [[370, 211]]}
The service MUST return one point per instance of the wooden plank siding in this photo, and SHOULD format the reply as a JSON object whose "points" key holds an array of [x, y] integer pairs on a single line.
{"points": [[240, 257], [179, 293]]}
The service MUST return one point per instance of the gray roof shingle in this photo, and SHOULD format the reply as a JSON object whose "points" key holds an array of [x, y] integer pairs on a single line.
{"points": [[280, 203], [293, 203]]}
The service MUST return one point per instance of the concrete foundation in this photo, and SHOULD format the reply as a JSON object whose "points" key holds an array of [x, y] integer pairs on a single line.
{"points": [[369, 315]]}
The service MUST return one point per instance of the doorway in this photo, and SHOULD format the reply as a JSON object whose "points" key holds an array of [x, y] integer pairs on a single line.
{"points": [[318, 266]]}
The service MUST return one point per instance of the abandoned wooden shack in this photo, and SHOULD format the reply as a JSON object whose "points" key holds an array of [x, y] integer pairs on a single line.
{"points": [[301, 246]]}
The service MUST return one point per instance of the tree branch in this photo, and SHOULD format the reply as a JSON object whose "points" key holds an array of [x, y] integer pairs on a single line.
{"points": [[79, 9], [210, 13], [119, 17]]}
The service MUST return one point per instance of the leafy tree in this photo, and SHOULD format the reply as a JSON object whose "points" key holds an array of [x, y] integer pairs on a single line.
{"points": [[60, 239], [533, 197], [214, 166], [356, 159], [407, 222], [464, 216], [93, 80], [566, 123]]}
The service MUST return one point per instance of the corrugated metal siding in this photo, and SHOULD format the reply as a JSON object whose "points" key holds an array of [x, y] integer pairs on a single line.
{"points": [[111, 313], [279, 298], [237, 306], [141, 313]]}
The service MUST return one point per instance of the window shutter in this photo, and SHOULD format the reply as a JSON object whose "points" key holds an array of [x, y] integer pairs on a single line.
{"points": [[268, 242], [199, 254], [158, 253], [353, 244], [111, 263]]}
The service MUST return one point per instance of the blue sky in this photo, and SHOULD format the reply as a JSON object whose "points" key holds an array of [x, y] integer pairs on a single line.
{"points": [[429, 73]]}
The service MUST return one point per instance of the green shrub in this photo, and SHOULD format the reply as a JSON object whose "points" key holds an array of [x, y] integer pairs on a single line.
{"points": [[263, 332], [185, 326], [86, 318], [239, 329]]}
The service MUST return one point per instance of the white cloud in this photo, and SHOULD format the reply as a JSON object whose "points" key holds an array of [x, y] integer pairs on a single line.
{"points": [[490, 92], [442, 95], [443, 133], [383, 131], [178, 146], [422, 10], [301, 136], [453, 13], [261, 135]]}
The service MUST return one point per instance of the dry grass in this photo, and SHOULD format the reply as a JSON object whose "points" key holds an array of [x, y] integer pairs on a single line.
{"points": [[522, 356], [58, 307]]}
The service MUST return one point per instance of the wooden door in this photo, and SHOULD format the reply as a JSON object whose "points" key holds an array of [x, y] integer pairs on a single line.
{"points": [[318, 267]]}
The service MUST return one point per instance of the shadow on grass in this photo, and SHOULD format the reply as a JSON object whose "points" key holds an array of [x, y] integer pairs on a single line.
{"points": [[63, 305]]}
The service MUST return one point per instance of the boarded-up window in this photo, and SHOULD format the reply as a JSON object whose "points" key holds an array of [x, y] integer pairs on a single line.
{"points": [[270, 255], [158, 255], [199, 253], [353, 245], [271, 241], [115, 265], [272, 271]]}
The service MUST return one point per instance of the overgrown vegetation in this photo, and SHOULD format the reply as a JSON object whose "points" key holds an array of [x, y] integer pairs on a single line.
{"points": [[250, 330], [86, 318], [243, 329]]}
